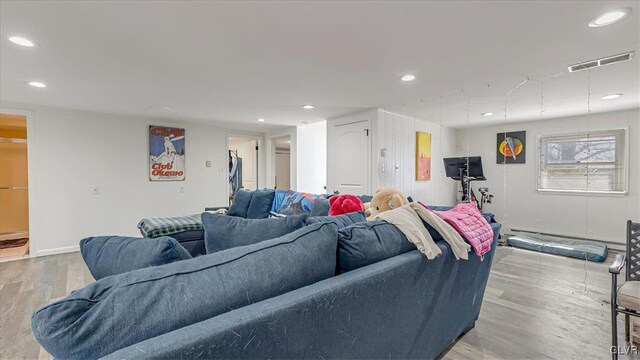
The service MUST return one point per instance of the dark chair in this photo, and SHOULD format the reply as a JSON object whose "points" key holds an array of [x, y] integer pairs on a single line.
{"points": [[625, 298]]}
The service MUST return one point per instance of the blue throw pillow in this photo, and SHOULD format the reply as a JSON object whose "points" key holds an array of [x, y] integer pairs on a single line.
{"points": [[122, 310], [320, 207], [342, 221], [240, 204], [111, 255], [225, 232], [260, 204], [369, 242]]}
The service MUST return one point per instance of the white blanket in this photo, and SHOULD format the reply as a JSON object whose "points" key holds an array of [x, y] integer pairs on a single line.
{"points": [[408, 219]]}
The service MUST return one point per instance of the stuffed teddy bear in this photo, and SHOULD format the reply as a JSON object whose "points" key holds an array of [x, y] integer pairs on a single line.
{"points": [[342, 204], [384, 200]]}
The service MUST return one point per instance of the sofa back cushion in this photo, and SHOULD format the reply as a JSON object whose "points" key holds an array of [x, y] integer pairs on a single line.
{"points": [[111, 255], [224, 232], [125, 309], [369, 242], [342, 221], [260, 204], [320, 207], [240, 204]]}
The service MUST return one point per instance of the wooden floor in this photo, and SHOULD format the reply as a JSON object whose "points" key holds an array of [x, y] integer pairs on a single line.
{"points": [[536, 306]]}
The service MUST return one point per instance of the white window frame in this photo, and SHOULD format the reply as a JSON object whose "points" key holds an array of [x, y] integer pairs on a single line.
{"points": [[625, 160]]}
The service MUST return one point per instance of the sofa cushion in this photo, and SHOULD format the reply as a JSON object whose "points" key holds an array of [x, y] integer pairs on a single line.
{"points": [[224, 232], [260, 204], [369, 242], [111, 255], [169, 225], [240, 204], [342, 221], [122, 310], [320, 207]]}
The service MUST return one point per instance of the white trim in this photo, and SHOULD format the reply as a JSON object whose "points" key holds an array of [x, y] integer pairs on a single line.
{"points": [[582, 192], [60, 250], [31, 135]]}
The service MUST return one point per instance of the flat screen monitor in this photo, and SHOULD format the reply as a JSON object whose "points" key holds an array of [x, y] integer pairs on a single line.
{"points": [[452, 167]]}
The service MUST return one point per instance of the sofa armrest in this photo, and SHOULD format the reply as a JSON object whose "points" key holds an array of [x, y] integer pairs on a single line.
{"points": [[215, 208], [617, 265]]}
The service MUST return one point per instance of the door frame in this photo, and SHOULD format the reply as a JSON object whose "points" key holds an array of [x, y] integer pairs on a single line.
{"points": [[274, 156], [293, 176], [259, 161], [367, 117], [31, 135]]}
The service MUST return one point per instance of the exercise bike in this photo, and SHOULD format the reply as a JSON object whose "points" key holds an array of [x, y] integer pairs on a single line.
{"points": [[466, 170]]}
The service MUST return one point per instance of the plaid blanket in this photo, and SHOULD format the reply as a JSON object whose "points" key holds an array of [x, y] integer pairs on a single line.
{"points": [[163, 226]]}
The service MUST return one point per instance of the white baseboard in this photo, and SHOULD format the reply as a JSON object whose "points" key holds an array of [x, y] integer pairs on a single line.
{"points": [[55, 251]]}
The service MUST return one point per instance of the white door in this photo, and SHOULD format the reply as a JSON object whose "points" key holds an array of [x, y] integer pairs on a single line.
{"points": [[349, 157], [283, 171], [247, 152]]}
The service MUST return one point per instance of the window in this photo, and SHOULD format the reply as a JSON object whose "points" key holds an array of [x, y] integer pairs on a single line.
{"points": [[583, 162]]}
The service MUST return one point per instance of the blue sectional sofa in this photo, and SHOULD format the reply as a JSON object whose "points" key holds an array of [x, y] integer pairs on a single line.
{"points": [[404, 307], [327, 290]]}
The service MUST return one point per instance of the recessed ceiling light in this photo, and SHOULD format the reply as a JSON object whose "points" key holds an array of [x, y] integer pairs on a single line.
{"points": [[261, 120], [609, 17], [37, 84], [487, 114], [19, 40], [611, 97], [308, 107], [408, 77]]}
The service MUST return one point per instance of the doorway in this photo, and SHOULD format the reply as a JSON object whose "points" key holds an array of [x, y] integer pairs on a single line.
{"points": [[283, 162], [14, 191], [243, 164]]}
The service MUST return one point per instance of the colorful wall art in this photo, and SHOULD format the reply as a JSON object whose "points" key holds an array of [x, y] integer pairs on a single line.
{"points": [[512, 147], [423, 156], [166, 153]]}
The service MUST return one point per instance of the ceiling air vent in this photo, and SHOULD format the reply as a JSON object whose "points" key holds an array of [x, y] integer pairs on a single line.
{"points": [[601, 62]]}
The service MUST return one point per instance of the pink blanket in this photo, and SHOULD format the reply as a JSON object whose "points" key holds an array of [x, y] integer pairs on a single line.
{"points": [[469, 222]]}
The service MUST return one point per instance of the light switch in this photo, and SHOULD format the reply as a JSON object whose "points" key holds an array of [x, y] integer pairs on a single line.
{"points": [[207, 163]]}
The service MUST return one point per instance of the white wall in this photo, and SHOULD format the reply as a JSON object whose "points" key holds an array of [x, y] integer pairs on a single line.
{"points": [[312, 157], [71, 151], [397, 133], [517, 204]]}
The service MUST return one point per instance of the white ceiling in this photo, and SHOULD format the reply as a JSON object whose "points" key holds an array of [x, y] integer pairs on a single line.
{"points": [[237, 61]]}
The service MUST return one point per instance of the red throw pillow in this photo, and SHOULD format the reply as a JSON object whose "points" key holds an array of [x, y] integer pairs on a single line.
{"points": [[343, 204]]}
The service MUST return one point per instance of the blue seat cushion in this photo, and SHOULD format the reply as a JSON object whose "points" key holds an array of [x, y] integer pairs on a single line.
{"points": [[240, 205], [365, 243], [225, 232], [320, 207], [122, 310], [342, 221], [111, 255], [260, 204]]}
